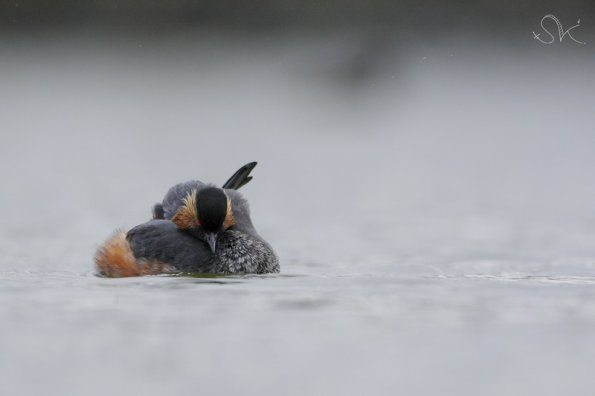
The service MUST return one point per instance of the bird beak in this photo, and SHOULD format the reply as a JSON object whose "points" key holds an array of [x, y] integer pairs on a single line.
{"points": [[212, 241]]}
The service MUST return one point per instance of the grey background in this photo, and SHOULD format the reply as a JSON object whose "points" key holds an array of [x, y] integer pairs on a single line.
{"points": [[425, 175]]}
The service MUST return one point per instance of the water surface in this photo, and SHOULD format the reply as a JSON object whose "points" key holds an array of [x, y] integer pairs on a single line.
{"points": [[433, 212]]}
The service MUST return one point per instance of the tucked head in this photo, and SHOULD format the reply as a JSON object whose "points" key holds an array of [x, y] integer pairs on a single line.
{"points": [[205, 213]]}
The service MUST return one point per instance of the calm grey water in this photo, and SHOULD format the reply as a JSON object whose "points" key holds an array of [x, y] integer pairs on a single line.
{"points": [[433, 209]]}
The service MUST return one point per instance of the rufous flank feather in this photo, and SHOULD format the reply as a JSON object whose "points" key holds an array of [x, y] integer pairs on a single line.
{"points": [[114, 259]]}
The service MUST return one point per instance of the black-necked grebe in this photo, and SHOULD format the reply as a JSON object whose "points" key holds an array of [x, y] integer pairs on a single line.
{"points": [[197, 228]]}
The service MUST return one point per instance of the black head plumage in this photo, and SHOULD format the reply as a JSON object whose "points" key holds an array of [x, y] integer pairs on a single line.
{"points": [[211, 206]]}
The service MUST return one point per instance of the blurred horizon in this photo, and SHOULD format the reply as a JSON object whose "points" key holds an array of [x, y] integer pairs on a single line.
{"points": [[409, 15]]}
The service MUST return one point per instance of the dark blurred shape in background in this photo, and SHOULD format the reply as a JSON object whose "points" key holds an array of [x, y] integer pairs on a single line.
{"points": [[163, 14]]}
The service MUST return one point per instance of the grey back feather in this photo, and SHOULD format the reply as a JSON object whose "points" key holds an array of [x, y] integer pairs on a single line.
{"points": [[174, 198]]}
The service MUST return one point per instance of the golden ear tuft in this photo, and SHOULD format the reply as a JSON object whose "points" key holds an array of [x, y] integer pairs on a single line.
{"points": [[186, 216], [229, 219]]}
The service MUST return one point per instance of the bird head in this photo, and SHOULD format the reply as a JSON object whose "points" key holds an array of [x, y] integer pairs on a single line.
{"points": [[205, 214]]}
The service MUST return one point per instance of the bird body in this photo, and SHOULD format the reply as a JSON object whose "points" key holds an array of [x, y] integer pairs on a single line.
{"points": [[197, 228]]}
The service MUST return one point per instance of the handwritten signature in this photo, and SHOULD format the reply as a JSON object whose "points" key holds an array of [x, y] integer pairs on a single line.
{"points": [[561, 32]]}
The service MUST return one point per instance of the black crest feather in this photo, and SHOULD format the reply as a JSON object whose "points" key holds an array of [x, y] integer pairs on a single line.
{"points": [[241, 177]]}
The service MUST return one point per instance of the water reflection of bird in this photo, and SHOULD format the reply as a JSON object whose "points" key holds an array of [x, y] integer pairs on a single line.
{"points": [[197, 228]]}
